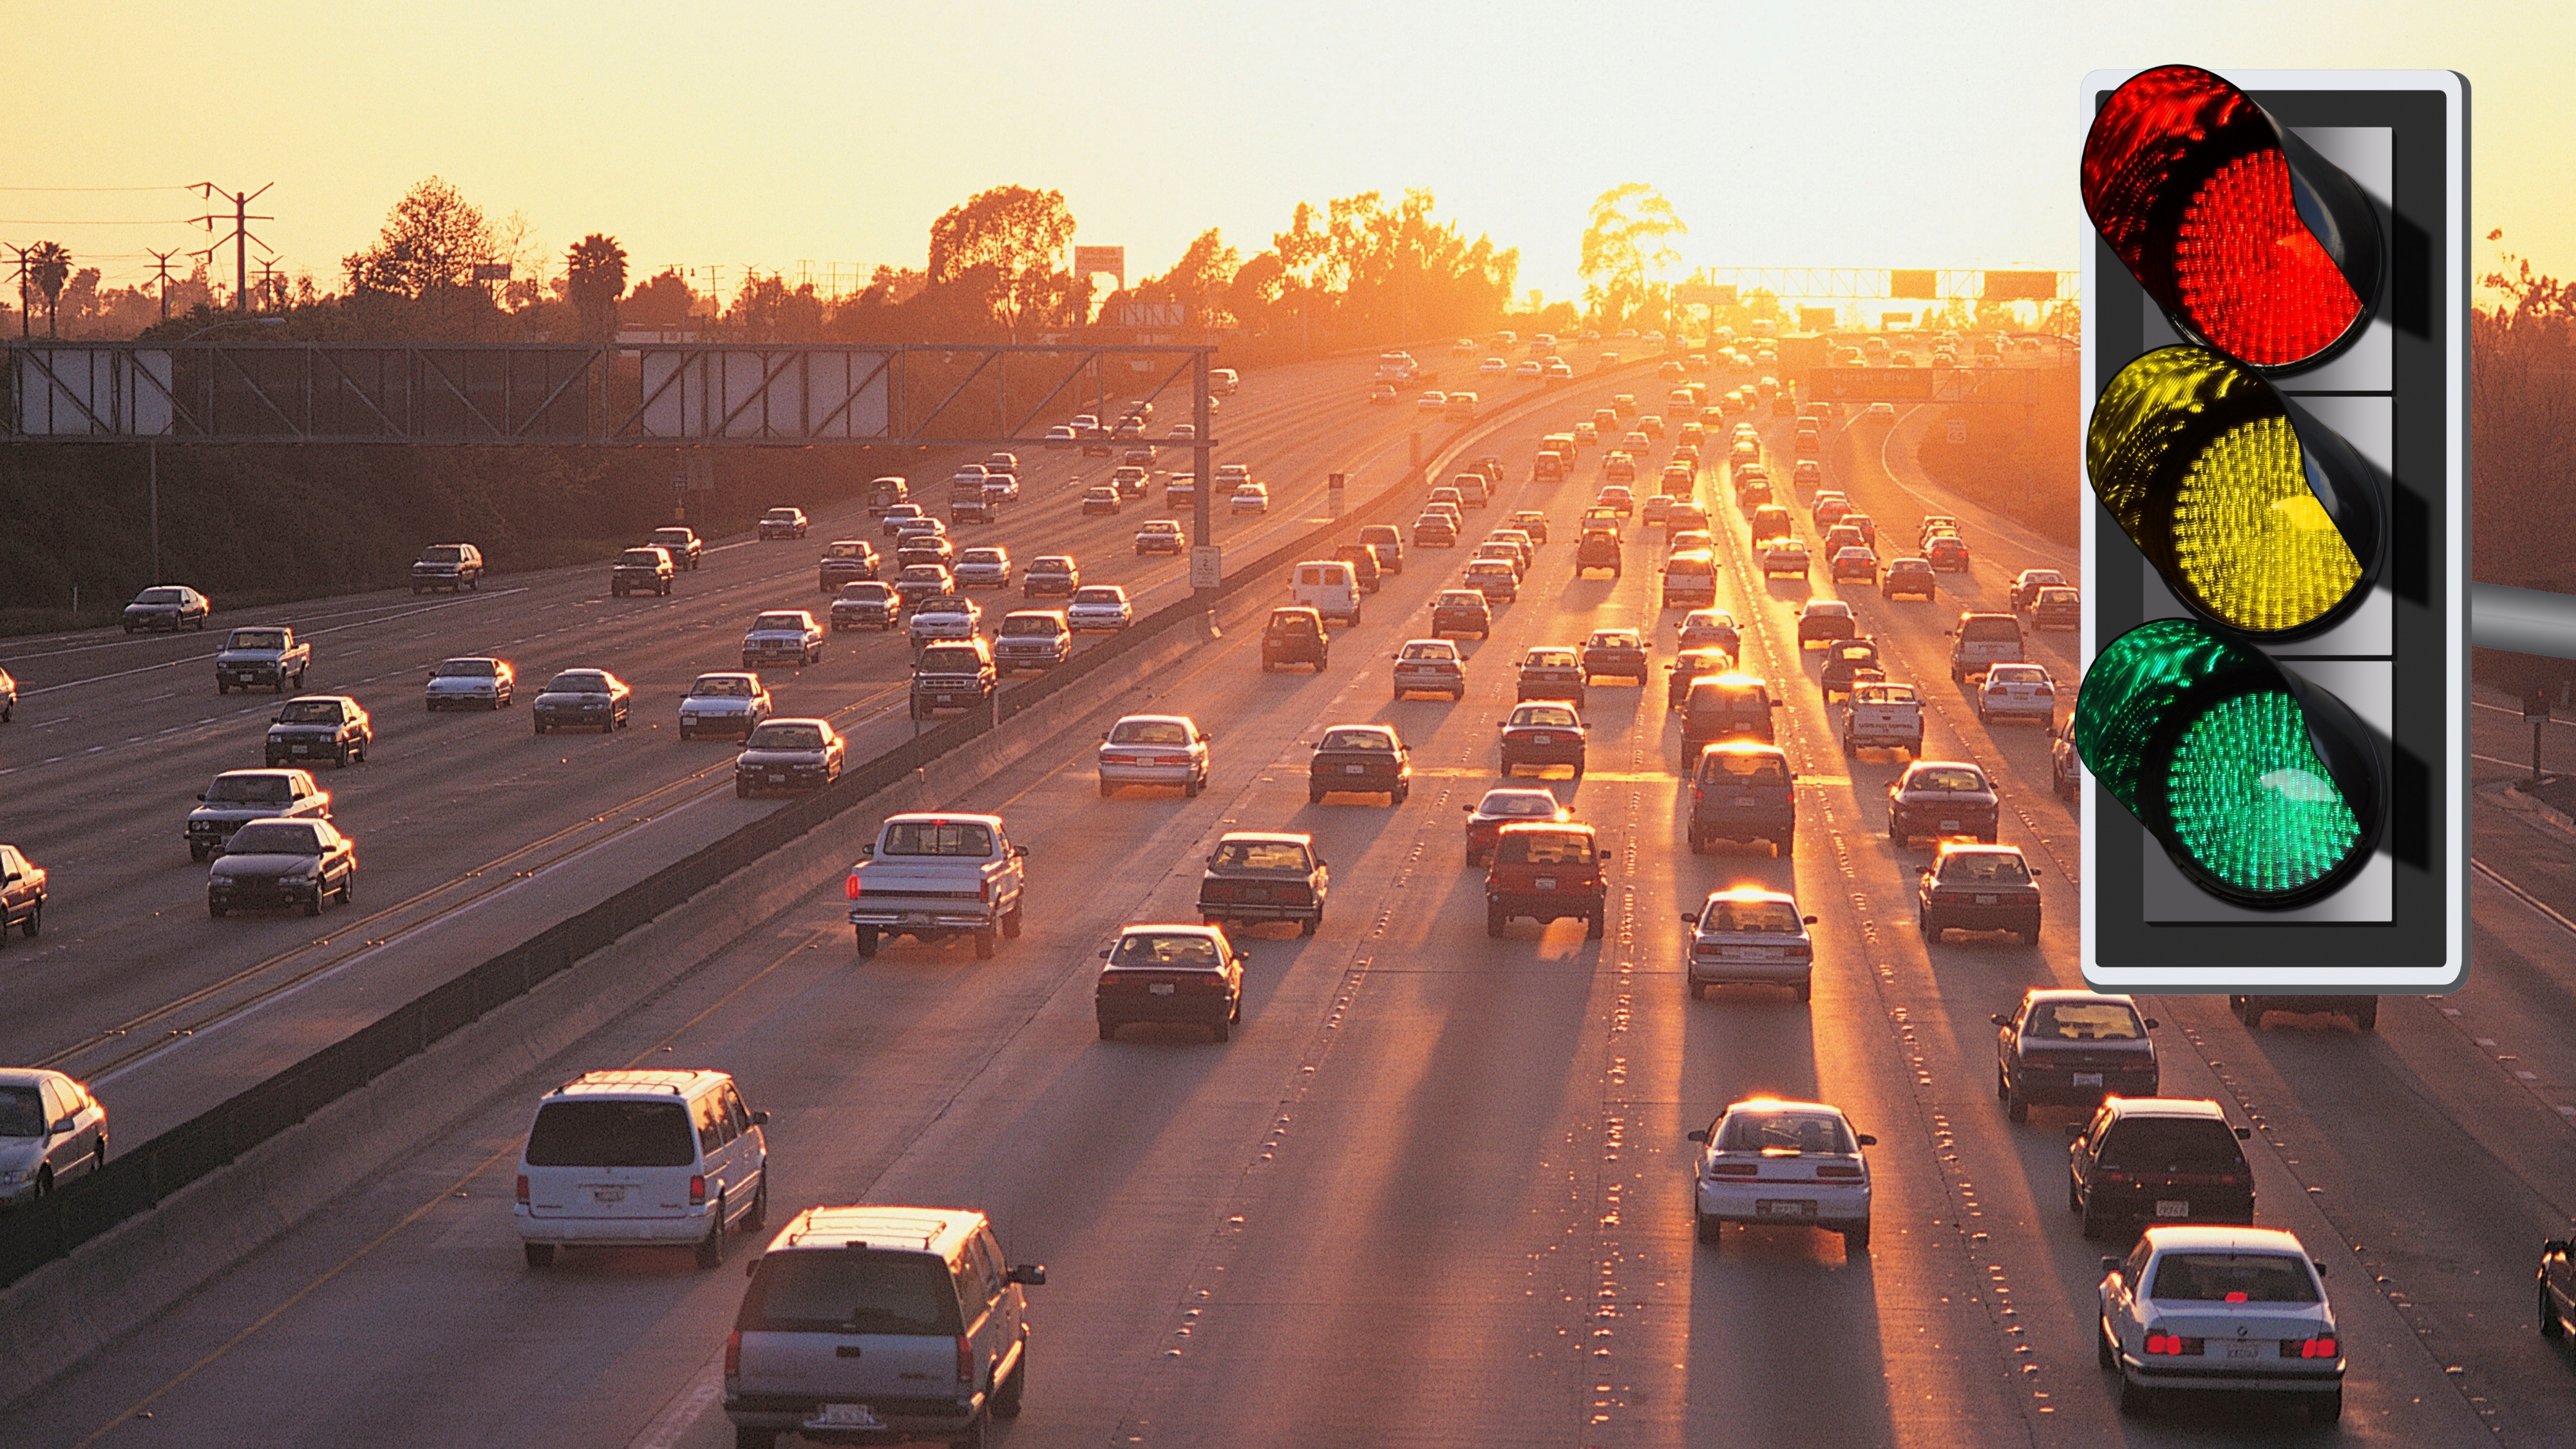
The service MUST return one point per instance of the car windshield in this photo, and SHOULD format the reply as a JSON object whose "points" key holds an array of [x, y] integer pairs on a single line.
{"points": [[852, 1291], [249, 790], [846, 550], [276, 837], [955, 659], [1149, 732], [721, 685], [1369, 740], [22, 1112], [1158, 948], [1785, 1134], [584, 682], [937, 837], [785, 737], [2084, 1021], [779, 621], [612, 1134], [1750, 917], [1098, 596], [644, 557], [467, 669], [1982, 867], [443, 553], [1550, 715], [256, 639], [870, 592], [2171, 1144], [1262, 855], [1950, 777], [2231, 1278], [787, 515], [162, 596], [1427, 650], [1545, 847], [310, 711]]}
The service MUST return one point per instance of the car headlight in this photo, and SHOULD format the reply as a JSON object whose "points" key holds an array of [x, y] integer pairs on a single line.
{"points": [[12, 1176]]}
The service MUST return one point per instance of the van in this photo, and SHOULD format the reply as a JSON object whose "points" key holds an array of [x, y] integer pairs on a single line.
{"points": [[622, 1158], [1982, 641], [1730, 706], [1330, 587], [1472, 489], [1690, 580], [885, 493], [1222, 381], [1743, 790], [878, 1323], [1389, 543], [1770, 521]]}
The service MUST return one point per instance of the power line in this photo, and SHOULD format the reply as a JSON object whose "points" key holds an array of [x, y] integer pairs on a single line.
{"points": [[93, 188]]}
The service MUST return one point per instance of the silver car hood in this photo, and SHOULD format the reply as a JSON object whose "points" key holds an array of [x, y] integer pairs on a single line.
{"points": [[20, 1152]]}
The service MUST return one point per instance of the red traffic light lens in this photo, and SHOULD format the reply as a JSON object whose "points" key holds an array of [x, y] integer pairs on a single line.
{"points": [[2199, 192]]}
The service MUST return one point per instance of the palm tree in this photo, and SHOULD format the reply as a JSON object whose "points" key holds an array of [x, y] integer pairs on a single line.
{"points": [[594, 278], [49, 267]]}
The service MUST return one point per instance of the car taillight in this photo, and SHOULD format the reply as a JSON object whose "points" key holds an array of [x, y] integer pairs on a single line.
{"points": [[2112, 1179], [2161, 1342], [850, 887], [698, 1191], [523, 1189], [965, 1359], [733, 1354], [1734, 1169], [2320, 1347], [1836, 1169], [985, 891]]}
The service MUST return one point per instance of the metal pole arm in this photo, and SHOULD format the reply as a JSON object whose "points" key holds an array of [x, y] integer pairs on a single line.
{"points": [[2526, 621]]}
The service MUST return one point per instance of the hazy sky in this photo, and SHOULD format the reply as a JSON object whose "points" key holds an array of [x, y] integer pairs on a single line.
{"points": [[1866, 135]]}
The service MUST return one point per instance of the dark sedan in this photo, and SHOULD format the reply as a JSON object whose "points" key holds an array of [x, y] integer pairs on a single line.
{"points": [[1978, 888], [2072, 1049], [168, 606], [1184, 974], [789, 754], [1461, 611], [1617, 652], [1690, 667], [1500, 807], [1540, 734], [591, 699], [1360, 760], [1849, 661], [1264, 876], [275, 863], [1941, 797]]}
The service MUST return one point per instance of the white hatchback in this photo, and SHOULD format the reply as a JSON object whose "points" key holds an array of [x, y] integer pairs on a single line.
{"points": [[2017, 691], [1748, 936], [1770, 1163], [1154, 749], [1430, 666]]}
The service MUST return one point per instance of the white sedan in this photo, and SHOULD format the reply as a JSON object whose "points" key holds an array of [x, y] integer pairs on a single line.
{"points": [[1430, 666], [1250, 498], [2017, 691], [1769, 1163], [2201, 1308], [1099, 609], [1493, 367], [1154, 749]]}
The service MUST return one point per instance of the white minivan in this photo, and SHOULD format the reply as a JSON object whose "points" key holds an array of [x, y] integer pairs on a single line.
{"points": [[628, 1158], [1330, 587]]}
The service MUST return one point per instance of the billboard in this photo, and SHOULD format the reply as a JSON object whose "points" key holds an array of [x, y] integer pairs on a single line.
{"points": [[2020, 287], [1092, 261], [787, 394]]}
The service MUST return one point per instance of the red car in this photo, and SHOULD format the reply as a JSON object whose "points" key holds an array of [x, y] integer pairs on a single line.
{"points": [[1548, 872], [1947, 554]]}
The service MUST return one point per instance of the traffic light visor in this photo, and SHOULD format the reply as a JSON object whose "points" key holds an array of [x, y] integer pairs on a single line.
{"points": [[2264, 792], [2258, 517], [2247, 238]]}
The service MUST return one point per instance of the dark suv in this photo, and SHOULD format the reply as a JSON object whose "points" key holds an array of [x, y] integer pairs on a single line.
{"points": [[1547, 871], [2144, 1160], [1295, 636]]}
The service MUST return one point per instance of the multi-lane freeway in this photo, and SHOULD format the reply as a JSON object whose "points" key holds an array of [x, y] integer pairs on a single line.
{"points": [[1433, 1191]]}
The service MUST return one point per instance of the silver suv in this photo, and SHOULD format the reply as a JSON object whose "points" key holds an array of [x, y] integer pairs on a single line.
{"points": [[642, 1157], [876, 1325]]}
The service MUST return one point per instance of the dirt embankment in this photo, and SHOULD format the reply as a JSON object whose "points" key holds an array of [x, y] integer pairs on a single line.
{"points": [[2021, 459]]}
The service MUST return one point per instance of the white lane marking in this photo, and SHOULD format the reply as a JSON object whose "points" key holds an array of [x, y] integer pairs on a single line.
{"points": [[2524, 896], [2492, 760], [2516, 712], [309, 634], [687, 1406]]}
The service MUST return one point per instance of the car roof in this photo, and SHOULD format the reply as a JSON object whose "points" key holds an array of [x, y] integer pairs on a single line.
{"points": [[2222, 1237], [1751, 893], [790, 719], [1178, 719], [639, 1083], [1743, 747], [2067, 993], [28, 1076], [919, 1229], [943, 817], [1959, 847], [1783, 1104], [1264, 837], [2183, 1108]]}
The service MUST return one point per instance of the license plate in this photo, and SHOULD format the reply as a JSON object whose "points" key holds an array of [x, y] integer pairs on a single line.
{"points": [[608, 1194], [1949, 824], [2168, 1208], [2088, 1079], [1159, 988], [1985, 900], [1772, 1207], [1354, 769], [1746, 800], [299, 749], [1753, 953], [846, 1416], [777, 779], [2245, 1350], [1545, 883], [1542, 739], [916, 918]]}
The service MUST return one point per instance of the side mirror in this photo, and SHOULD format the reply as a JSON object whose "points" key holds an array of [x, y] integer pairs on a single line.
{"points": [[2110, 1267], [1104, 734], [1605, 855], [759, 1119], [2244, 1134], [201, 799], [1699, 1134], [2034, 875], [1032, 1275], [1469, 809], [2152, 1023], [2320, 1267], [1864, 1139], [1207, 739], [867, 852], [2000, 1019], [64, 1126], [1689, 920], [1104, 953], [752, 1268], [1242, 959], [1019, 852], [1810, 920], [2553, 1245]]}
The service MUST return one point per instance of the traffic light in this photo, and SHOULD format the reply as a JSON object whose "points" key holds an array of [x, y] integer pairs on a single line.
{"points": [[2274, 707]]}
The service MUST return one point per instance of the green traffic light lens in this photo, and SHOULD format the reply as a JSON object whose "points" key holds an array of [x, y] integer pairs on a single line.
{"points": [[2207, 743], [2199, 460], [2252, 802]]}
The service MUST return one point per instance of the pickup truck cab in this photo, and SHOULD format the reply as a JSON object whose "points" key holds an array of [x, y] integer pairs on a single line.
{"points": [[449, 566], [686, 549], [782, 636], [845, 561], [932, 876], [269, 655], [320, 726], [1883, 716], [646, 569]]}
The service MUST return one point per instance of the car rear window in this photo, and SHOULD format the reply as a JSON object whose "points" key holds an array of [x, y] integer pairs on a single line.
{"points": [[2084, 1021], [2171, 1144], [1369, 740], [1148, 732], [1545, 847], [1978, 867], [1146, 948], [1949, 779], [1990, 631], [937, 837], [1552, 716], [1785, 1134], [1262, 855], [853, 1290], [2231, 1278], [1767, 918], [612, 1134], [1737, 768]]}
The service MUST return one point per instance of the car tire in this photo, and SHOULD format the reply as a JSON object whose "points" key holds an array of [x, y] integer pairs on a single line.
{"points": [[1190, 788], [1895, 831], [1008, 1394], [1788, 845], [539, 1255], [741, 789], [2003, 1086], [2251, 1013], [2029, 934], [313, 907], [1314, 796], [1494, 919], [541, 726], [197, 853], [32, 927], [349, 887], [1593, 924], [2136, 1400], [1311, 924], [867, 937], [1221, 1031], [1856, 1241], [2015, 1109], [1710, 1229], [758, 1218], [2366, 1018], [1107, 789], [1807, 989], [1923, 922], [1108, 1030], [214, 910], [711, 1248], [222, 687], [2551, 1325], [984, 944], [2074, 1197], [2094, 1225], [1011, 923]]}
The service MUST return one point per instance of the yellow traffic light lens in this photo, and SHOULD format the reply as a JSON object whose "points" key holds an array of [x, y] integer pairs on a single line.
{"points": [[2250, 537], [2208, 472]]}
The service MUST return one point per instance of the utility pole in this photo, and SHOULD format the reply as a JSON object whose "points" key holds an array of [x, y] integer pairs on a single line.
{"points": [[25, 312], [161, 261], [240, 237]]}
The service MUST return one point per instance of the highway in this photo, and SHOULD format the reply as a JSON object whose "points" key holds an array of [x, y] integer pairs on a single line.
{"points": [[1434, 1190]]}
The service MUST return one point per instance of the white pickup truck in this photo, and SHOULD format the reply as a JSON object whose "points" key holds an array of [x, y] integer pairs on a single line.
{"points": [[1885, 716], [933, 876]]}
